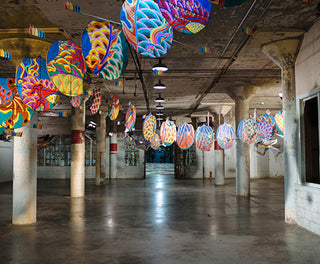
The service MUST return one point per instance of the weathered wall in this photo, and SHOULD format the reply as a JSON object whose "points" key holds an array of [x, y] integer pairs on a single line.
{"points": [[195, 170], [308, 78], [308, 61], [6, 161]]}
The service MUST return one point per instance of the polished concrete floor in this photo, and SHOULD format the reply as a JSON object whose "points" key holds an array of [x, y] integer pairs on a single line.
{"points": [[157, 220]]}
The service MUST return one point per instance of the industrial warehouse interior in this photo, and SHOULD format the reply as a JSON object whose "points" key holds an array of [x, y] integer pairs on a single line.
{"points": [[165, 131]]}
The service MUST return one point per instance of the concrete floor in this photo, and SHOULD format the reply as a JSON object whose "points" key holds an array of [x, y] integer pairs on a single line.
{"points": [[157, 220]]}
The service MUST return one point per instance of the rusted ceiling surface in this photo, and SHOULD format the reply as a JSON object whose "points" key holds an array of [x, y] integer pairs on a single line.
{"points": [[196, 82]]}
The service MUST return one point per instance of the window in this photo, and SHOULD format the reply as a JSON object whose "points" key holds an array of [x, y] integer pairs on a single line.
{"points": [[309, 130]]}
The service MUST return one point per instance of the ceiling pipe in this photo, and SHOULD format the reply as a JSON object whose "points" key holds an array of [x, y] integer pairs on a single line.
{"points": [[231, 60]]}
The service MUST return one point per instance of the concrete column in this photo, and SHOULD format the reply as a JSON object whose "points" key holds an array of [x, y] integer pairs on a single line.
{"points": [[24, 207], [284, 53], [101, 149], [243, 151], [218, 167], [113, 155], [77, 184]]}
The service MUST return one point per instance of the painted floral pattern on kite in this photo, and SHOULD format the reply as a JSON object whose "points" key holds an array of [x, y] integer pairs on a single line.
{"points": [[149, 127], [95, 101], [186, 16], [278, 117], [168, 133], [14, 114], [145, 28], [6, 94], [117, 64], [35, 88], [204, 138], [98, 40], [225, 136], [264, 130], [247, 131], [113, 107], [227, 2], [130, 116], [67, 68], [155, 142], [267, 117], [185, 136], [76, 101]]}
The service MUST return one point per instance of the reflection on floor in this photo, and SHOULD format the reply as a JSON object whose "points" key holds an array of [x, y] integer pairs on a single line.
{"points": [[158, 220]]}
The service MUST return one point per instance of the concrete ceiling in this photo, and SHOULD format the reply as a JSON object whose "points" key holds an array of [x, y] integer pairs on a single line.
{"points": [[197, 83]]}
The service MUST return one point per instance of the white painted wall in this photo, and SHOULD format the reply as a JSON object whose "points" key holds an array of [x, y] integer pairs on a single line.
{"points": [[308, 61], [57, 172], [6, 161], [308, 78], [230, 162]]}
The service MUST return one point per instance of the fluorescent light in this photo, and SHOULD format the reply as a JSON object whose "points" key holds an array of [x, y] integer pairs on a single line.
{"points": [[159, 86]]}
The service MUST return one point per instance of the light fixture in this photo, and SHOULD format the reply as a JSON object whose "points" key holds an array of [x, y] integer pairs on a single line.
{"points": [[159, 107], [280, 95], [159, 113], [159, 118], [160, 66], [159, 99], [159, 86]]}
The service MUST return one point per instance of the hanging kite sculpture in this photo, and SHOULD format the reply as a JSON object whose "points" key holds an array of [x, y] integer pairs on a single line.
{"points": [[185, 136], [76, 101], [247, 131], [67, 68], [278, 117], [98, 41], [149, 127], [267, 117], [168, 133], [225, 136], [155, 141], [13, 113], [130, 116], [145, 28], [113, 107], [186, 16], [35, 88], [95, 101], [264, 131], [227, 2], [117, 63], [204, 137]]}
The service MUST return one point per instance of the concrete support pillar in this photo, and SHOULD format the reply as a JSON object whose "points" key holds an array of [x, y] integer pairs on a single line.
{"points": [[243, 151], [284, 53], [101, 149], [218, 167], [113, 155], [77, 184], [24, 207]]}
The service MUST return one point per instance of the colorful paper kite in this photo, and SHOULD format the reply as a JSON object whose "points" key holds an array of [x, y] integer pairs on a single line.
{"points": [[95, 101], [113, 107], [227, 2], [130, 116], [267, 117], [76, 101], [155, 142], [35, 88], [268, 144], [168, 132], [186, 16], [13, 114], [185, 136], [67, 68], [36, 32], [117, 64], [264, 131], [247, 131], [278, 117], [225, 136], [5, 54], [138, 142], [98, 40], [204, 138], [149, 126], [145, 28], [6, 94]]}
